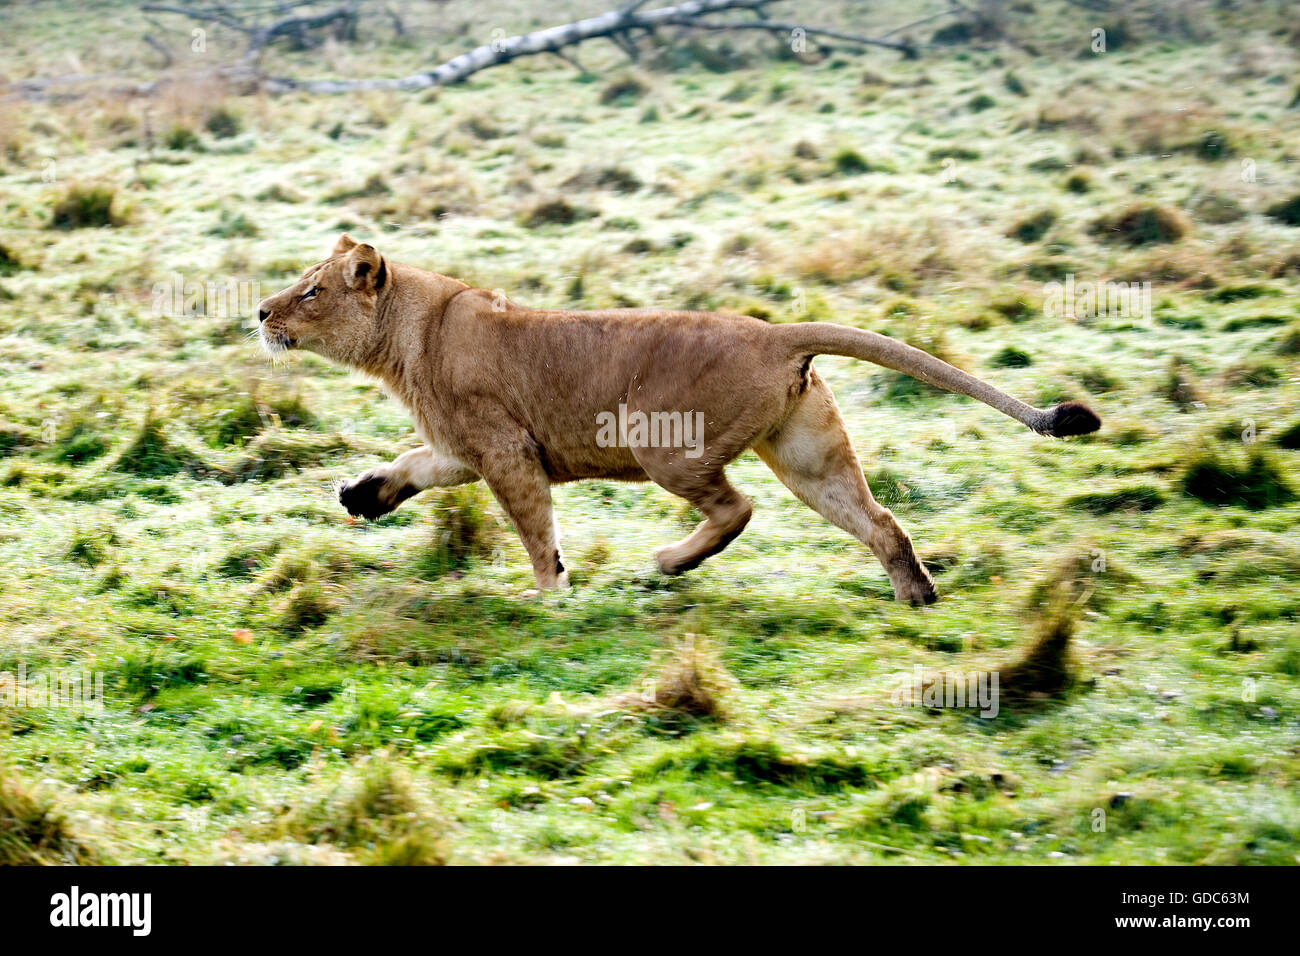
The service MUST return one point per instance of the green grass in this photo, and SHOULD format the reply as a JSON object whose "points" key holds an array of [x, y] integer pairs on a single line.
{"points": [[285, 685]]}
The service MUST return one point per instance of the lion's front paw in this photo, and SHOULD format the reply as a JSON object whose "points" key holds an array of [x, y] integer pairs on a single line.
{"points": [[361, 497]]}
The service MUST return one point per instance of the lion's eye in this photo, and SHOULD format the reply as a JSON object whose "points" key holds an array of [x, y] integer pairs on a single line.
{"points": [[311, 292]]}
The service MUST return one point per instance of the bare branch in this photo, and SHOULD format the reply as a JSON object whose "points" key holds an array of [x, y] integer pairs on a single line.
{"points": [[616, 25], [907, 49], [623, 26], [260, 36], [168, 58]]}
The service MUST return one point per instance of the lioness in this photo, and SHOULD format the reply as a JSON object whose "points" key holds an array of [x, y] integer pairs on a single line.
{"points": [[522, 398]]}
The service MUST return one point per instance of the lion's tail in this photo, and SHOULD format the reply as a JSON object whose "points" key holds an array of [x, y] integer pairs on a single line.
{"points": [[826, 338]]}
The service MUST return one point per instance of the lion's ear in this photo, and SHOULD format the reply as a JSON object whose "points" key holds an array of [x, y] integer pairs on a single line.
{"points": [[365, 268], [344, 244]]}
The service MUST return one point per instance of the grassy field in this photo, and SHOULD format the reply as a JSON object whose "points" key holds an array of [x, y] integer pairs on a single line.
{"points": [[283, 684]]}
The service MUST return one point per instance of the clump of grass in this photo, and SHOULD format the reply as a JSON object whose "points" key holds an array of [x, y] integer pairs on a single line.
{"points": [[373, 187], [1033, 228], [251, 414], [1217, 480], [689, 680], [1047, 668], [307, 595], [1098, 380], [849, 162], [150, 455], [235, 425], [1012, 357], [1286, 212], [79, 441], [85, 207], [608, 177], [278, 193], [1213, 145], [181, 137], [278, 452], [1143, 224], [9, 261], [93, 546], [1180, 386], [1290, 439], [223, 123], [981, 102], [763, 763], [1048, 269], [33, 832], [1016, 308], [14, 440], [623, 92], [234, 225], [247, 557], [954, 152], [1254, 322], [1252, 375], [377, 815], [557, 211], [308, 604], [1289, 342], [464, 530], [1078, 183], [1217, 209], [482, 128], [1048, 164], [1239, 293], [1135, 498]]}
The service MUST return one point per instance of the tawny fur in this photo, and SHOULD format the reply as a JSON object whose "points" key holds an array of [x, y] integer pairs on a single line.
{"points": [[512, 395]]}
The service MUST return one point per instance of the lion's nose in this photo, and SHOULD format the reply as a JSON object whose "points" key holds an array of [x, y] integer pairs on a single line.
{"points": [[263, 314]]}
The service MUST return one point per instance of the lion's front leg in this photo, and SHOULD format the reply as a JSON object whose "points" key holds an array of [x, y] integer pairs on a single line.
{"points": [[380, 490]]}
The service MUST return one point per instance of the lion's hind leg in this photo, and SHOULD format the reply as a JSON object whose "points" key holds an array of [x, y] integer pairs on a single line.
{"points": [[813, 456], [726, 512]]}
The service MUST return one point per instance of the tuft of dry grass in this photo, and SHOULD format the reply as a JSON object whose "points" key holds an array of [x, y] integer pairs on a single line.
{"points": [[553, 211], [1180, 386], [688, 679], [377, 814], [1143, 224], [465, 528], [85, 207], [1046, 669], [33, 832]]}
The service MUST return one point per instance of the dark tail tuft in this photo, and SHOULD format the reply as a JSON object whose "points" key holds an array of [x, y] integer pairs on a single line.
{"points": [[1071, 418]]}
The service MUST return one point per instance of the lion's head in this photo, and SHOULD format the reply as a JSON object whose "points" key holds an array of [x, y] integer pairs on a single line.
{"points": [[331, 310]]}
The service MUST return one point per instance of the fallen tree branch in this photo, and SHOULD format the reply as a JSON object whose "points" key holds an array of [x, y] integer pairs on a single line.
{"points": [[260, 36], [616, 25], [168, 58], [907, 49], [550, 40], [624, 27]]}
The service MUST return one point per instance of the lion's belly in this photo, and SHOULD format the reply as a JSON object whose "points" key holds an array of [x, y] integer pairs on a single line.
{"points": [[571, 459]]}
